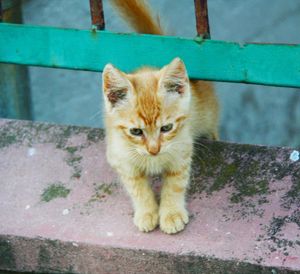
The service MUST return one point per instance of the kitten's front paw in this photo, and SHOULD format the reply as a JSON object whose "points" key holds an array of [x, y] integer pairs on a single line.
{"points": [[146, 221], [173, 221]]}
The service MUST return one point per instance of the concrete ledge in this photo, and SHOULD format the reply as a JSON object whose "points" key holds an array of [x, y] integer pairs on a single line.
{"points": [[63, 211]]}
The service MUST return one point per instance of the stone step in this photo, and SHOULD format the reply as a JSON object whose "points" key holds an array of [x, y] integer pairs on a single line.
{"points": [[62, 209]]}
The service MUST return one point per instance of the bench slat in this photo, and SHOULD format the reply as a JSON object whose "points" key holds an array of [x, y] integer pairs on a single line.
{"points": [[267, 64]]}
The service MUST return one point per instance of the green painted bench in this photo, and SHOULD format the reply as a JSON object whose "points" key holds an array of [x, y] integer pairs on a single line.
{"points": [[265, 64]]}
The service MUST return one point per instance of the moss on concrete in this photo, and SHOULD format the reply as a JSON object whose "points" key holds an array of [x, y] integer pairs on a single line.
{"points": [[101, 191], [30, 133], [95, 135], [250, 174], [236, 166], [71, 149], [249, 190], [74, 161], [276, 240], [226, 174], [44, 257], [294, 192], [7, 256], [54, 191], [50, 252], [7, 139], [292, 197]]}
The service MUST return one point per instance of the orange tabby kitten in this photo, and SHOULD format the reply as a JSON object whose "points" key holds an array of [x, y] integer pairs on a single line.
{"points": [[152, 117]]}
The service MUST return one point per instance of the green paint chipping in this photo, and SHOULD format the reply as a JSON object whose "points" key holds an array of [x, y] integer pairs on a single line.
{"points": [[199, 39], [55, 191]]}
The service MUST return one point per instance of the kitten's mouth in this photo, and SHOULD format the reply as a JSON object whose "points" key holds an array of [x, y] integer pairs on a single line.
{"points": [[151, 155], [156, 155]]}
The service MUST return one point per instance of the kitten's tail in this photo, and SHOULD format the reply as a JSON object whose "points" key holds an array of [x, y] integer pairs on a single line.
{"points": [[138, 15]]}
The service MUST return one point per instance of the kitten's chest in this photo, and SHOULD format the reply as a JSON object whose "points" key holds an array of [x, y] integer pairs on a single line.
{"points": [[155, 165]]}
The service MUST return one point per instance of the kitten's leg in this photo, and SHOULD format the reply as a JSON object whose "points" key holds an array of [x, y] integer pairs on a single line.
{"points": [[145, 205], [172, 212]]}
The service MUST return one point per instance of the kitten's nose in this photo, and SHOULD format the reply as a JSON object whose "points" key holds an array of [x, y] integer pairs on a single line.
{"points": [[154, 150]]}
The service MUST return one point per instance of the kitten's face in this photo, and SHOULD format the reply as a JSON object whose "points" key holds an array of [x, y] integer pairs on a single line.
{"points": [[149, 108]]}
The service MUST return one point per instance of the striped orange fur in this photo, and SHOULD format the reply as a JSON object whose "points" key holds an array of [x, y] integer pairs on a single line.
{"points": [[152, 117]]}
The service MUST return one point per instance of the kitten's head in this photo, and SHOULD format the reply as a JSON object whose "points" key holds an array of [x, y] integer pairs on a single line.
{"points": [[149, 107]]}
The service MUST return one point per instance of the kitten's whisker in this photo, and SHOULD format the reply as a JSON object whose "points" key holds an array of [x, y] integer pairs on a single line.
{"points": [[200, 144], [182, 142], [98, 113]]}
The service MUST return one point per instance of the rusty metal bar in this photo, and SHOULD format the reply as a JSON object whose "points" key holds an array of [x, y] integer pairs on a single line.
{"points": [[1, 16], [97, 14], [202, 22], [15, 96]]}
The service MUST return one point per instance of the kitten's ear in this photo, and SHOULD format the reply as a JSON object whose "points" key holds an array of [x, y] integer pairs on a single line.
{"points": [[115, 85], [175, 78]]}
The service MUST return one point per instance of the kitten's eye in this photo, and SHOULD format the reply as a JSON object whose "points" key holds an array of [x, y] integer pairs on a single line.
{"points": [[166, 128], [136, 131]]}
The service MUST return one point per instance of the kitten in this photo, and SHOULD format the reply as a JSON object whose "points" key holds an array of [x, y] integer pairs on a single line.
{"points": [[152, 117]]}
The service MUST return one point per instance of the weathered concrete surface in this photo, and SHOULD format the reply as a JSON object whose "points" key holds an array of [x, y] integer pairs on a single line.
{"points": [[62, 209]]}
